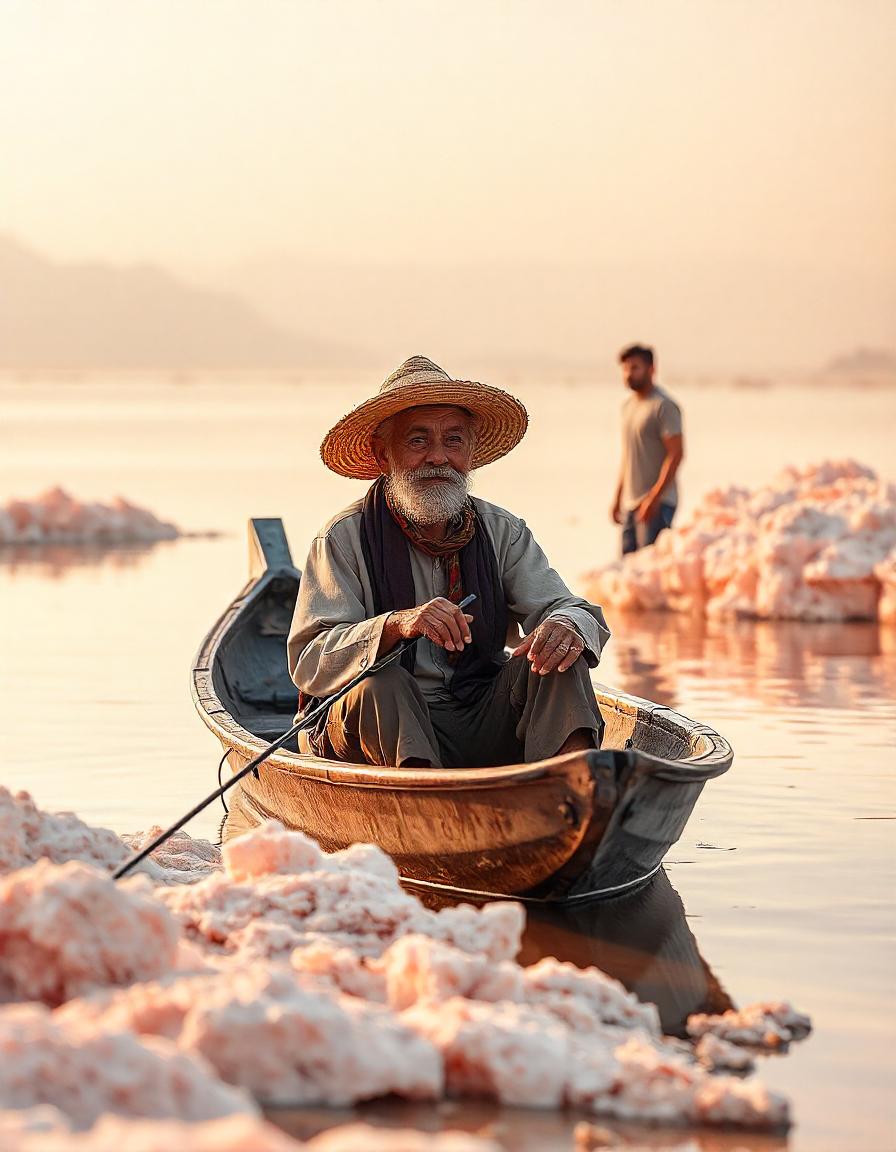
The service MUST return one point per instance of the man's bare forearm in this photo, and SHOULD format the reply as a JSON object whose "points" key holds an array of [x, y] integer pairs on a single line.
{"points": [[392, 632]]}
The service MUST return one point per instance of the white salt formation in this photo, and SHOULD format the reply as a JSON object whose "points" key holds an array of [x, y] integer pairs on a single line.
{"points": [[182, 859], [818, 543], [716, 1054], [55, 517], [260, 1028], [279, 891], [86, 1073], [296, 977], [758, 1025], [67, 928], [28, 834]]}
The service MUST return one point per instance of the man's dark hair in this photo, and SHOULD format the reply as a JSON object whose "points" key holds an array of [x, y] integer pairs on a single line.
{"points": [[637, 352]]}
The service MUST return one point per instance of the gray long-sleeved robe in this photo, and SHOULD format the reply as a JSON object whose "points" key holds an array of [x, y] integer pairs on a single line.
{"points": [[335, 634]]}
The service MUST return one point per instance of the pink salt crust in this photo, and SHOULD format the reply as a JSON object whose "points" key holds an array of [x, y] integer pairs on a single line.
{"points": [[67, 928], [717, 1054], [88, 1072], [55, 517], [279, 891], [28, 834], [770, 1025], [304, 977], [818, 543]]}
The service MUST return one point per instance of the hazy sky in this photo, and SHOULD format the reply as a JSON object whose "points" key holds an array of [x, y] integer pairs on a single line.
{"points": [[198, 133]]}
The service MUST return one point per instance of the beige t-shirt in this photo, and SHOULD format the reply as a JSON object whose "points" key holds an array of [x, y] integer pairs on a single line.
{"points": [[644, 424]]}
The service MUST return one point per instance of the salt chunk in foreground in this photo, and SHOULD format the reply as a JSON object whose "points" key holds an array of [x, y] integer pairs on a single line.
{"points": [[292, 1045], [287, 1042], [280, 892], [67, 928], [29, 834], [85, 1073], [507, 1052], [518, 1054]]}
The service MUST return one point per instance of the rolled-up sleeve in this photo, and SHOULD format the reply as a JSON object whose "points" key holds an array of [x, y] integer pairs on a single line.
{"points": [[332, 638], [535, 591]]}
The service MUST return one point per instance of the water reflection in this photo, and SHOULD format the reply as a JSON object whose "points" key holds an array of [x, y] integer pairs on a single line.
{"points": [[55, 561], [518, 1129], [643, 940], [779, 663]]}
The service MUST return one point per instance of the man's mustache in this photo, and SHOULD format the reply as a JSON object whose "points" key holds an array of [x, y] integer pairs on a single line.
{"points": [[437, 471]]}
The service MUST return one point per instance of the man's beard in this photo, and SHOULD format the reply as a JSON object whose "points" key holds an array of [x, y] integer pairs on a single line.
{"points": [[427, 504]]}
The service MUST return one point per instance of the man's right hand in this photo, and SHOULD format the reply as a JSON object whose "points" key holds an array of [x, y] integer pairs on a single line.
{"points": [[440, 621], [616, 512]]}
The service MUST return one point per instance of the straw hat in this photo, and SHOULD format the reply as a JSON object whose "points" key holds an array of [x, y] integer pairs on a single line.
{"points": [[501, 418]]}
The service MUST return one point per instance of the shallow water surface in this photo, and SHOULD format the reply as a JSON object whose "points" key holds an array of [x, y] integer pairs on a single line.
{"points": [[782, 886]]}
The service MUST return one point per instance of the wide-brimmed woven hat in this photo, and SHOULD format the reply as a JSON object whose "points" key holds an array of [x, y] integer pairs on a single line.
{"points": [[501, 418]]}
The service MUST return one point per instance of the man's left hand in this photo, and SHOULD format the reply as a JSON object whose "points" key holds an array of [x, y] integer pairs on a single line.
{"points": [[552, 647]]}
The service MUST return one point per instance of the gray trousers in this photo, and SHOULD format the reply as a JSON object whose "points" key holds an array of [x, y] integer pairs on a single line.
{"points": [[516, 717]]}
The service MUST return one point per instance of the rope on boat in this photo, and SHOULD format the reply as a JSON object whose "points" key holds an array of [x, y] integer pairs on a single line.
{"points": [[221, 782]]}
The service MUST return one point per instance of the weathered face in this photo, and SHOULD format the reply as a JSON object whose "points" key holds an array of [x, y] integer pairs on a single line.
{"points": [[637, 373], [428, 435], [427, 454]]}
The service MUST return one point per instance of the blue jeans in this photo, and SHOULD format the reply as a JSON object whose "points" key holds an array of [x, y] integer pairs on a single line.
{"points": [[635, 536]]}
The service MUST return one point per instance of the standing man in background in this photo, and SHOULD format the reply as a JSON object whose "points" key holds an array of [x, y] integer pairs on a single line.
{"points": [[652, 449]]}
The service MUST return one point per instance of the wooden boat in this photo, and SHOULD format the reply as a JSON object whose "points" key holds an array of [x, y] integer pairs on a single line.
{"points": [[587, 824]]}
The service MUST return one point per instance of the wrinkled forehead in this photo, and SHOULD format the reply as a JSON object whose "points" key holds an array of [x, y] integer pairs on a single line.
{"points": [[432, 416]]}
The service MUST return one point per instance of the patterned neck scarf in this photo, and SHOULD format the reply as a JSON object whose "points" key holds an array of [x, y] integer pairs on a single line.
{"points": [[460, 533]]}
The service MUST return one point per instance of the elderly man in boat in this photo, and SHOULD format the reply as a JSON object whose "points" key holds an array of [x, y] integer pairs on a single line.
{"points": [[395, 565]]}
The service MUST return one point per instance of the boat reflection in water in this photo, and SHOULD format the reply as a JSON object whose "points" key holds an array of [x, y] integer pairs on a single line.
{"points": [[642, 940]]}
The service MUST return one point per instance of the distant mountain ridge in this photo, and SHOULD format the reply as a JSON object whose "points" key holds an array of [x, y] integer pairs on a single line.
{"points": [[100, 316], [706, 316]]}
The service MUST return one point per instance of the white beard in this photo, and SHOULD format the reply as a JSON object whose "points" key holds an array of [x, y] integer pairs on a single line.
{"points": [[423, 504]]}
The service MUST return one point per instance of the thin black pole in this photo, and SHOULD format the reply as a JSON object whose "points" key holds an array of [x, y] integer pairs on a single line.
{"points": [[252, 766]]}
